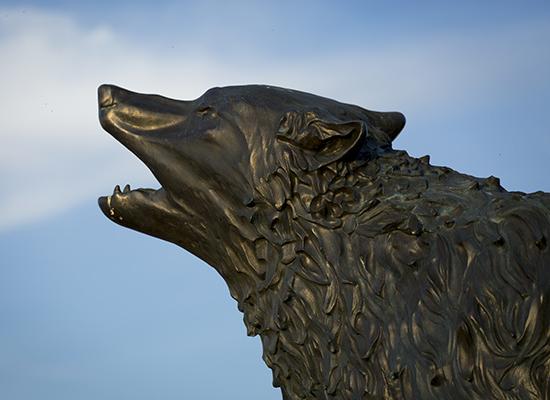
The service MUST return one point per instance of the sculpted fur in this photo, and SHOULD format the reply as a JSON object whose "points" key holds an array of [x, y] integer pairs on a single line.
{"points": [[367, 273]]}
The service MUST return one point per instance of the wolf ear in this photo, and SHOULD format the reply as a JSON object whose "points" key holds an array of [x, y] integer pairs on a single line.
{"points": [[322, 140], [385, 125]]}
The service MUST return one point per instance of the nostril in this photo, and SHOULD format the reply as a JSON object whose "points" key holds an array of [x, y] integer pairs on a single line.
{"points": [[104, 96]]}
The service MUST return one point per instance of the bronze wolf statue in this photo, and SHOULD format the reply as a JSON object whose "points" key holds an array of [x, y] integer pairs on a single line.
{"points": [[367, 273]]}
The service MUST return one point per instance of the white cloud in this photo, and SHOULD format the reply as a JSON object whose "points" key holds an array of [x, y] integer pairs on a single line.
{"points": [[54, 154]]}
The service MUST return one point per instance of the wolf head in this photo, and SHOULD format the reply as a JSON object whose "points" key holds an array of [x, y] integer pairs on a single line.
{"points": [[211, 154]]}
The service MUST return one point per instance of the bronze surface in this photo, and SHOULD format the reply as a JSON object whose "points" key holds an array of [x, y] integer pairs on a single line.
{"points": [[367, 273]]}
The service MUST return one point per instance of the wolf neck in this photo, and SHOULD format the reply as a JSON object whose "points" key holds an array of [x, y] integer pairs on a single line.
{"points": [[303, 285]]}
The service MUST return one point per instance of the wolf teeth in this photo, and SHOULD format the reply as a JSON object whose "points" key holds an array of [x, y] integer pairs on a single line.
{"points": [[126, 190]]}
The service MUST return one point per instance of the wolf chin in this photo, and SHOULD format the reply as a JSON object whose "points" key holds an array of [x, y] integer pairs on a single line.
{"points": [[367, 273]]}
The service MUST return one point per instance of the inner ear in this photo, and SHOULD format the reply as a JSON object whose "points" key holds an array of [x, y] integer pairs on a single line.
{"points": [[321, 140]]}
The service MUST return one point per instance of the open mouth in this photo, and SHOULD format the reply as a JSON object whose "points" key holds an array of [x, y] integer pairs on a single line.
{"points": [[135, 121], [126, 207]]}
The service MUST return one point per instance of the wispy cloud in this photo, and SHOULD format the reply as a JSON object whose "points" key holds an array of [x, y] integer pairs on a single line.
{"points": [[53, 154]]}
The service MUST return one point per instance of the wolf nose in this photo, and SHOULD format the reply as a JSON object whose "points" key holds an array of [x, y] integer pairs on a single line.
{"points": [[105, 96]]}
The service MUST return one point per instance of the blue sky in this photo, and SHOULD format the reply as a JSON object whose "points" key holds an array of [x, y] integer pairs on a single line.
{"points": [[90, 310]]}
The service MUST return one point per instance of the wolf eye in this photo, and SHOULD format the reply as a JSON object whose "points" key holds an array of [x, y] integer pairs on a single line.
{"points": [[205, 110]]}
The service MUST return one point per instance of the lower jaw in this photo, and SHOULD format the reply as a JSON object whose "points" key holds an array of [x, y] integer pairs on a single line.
{"points": [[114, 205]]}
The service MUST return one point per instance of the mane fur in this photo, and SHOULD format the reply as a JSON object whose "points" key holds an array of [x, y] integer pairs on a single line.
{"points": [[475, 311]]}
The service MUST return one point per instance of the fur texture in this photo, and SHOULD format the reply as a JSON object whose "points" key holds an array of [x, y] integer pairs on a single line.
{"points": [[405, 280]]}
